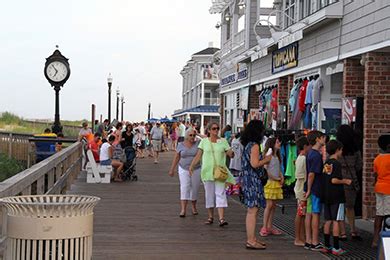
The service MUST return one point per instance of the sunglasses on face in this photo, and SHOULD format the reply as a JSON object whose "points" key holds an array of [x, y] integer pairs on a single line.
{"points": [[215, 128], [191, 135]]}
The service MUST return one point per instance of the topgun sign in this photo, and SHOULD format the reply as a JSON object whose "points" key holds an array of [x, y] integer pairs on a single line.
{"points": [[285, 58]]}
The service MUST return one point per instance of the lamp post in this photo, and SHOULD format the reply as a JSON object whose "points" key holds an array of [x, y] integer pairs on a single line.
{"points": [[57, 72], [117, 103], [149, 105], [122, 103], [109, 82]]}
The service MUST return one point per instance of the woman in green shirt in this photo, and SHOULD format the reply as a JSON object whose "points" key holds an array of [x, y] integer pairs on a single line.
{"points": [[213, 151]]}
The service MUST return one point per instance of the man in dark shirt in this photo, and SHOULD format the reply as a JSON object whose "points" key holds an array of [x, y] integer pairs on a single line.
{"points": [[314, 167], [332, 196]]}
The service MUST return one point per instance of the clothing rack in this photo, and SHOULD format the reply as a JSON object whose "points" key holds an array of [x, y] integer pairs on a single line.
{"points": [[306, 74], [268, 87]]}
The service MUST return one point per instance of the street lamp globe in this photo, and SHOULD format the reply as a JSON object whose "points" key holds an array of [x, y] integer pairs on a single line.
{"points": [[109, 79]]}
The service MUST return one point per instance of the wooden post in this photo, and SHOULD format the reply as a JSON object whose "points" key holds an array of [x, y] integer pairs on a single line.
{"points": [[10, 146]]}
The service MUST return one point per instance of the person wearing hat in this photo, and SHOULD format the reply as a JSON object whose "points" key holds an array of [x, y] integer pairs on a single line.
{"points": [[156, 136], [382, 185]]}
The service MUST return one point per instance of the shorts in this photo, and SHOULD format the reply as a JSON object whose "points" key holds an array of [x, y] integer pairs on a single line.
{"points": [[350, 198], [382, 204], [106, 162], [334, 211], [156, 145], [301, 209], [313, 204]]}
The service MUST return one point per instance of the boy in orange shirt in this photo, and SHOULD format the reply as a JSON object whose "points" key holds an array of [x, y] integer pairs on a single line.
{"points": [[382, 185]]}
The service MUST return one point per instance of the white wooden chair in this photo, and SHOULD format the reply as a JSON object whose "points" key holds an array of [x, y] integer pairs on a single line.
{"points": [[97, 173]]}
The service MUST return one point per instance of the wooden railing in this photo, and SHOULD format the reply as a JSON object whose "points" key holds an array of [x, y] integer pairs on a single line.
{"points": [[53, 175], [16, 146]]}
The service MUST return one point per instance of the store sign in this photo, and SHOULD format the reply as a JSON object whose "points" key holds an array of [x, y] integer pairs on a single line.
{"points": [[349, 111], [290, 38], [259, 54], [285, 58], [235, 77]]}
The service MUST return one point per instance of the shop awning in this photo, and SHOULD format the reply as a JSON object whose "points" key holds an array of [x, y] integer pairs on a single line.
{"points": [[198, 110]]}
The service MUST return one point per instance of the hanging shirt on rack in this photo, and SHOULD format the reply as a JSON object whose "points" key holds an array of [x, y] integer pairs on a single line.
{"points": [[316, 93], [302, 95], [293, 96], [290, 168], [309, 91], [274, 102]]}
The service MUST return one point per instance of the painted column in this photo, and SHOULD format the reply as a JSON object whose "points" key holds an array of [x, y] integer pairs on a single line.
{"points": [[202, 124], [202, 95]]}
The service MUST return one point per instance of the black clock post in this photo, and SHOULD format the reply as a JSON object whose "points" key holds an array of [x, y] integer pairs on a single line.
{"points": [[57, 72]]}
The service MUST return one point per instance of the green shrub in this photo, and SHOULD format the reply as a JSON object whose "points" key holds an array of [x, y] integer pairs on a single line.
{"points": [[9, 118], [8, 167]]}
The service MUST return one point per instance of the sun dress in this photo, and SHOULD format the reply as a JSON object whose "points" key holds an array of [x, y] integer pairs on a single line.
{"points": [[252, 189]]}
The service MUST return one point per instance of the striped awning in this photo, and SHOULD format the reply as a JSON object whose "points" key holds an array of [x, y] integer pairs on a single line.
{"points": [[218, 6]]}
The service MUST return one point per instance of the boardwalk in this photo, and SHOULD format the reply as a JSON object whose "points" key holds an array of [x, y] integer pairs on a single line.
{"points": [[139, 220]]}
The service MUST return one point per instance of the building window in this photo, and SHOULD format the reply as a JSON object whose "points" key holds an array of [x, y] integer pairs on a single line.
{"points": [[289, 10], [336, 85]]}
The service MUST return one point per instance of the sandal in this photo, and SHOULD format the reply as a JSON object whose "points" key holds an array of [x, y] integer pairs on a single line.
{"points": [[222, 222], [260, 242], [275, 232], [182, 215], [256, 246], [195, 213], [209, 221], [343, 237], [356, 236], [263, 232]]}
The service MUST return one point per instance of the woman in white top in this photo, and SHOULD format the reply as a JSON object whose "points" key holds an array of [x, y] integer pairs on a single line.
{"points": [[106, 152]]}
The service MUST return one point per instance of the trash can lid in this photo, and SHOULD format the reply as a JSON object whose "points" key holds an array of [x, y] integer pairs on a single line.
{"points": [[50, 205]]}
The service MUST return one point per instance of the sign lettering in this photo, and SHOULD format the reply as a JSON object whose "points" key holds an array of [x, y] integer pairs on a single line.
{"points": [[285, 58], [233, 78]]}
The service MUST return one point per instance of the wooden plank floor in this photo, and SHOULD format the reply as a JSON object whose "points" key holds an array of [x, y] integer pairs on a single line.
{"points": [[139, 220]]}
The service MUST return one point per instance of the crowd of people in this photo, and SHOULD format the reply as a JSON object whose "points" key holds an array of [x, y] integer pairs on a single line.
{"points": [[325, 188], [253, 161], [108, 142]]}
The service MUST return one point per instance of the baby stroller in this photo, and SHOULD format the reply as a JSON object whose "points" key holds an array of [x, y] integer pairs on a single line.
{"points": [[129, 165]]}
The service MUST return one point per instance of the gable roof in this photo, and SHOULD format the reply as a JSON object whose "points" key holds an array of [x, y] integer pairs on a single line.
{"points": [[207, 51]]}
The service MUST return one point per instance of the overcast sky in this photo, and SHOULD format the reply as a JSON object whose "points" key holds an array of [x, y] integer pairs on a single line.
{"points": [[144, 44]]}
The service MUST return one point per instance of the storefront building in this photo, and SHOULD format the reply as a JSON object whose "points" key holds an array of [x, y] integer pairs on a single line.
{"points": [[200, 90], [310, 65]]}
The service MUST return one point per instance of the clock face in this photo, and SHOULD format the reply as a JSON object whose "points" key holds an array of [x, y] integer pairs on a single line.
{"points": [[56, 71]]}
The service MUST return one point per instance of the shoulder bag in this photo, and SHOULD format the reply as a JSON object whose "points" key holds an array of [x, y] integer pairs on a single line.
{"points": [[220, 173], [355, 183]]}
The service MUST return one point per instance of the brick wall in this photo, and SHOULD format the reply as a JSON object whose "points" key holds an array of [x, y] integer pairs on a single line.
{"points": [[353, 78], [283, 91], [253, 98], [376, 119]]}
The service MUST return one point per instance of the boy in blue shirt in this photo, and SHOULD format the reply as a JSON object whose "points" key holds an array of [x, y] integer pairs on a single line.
{"points": [[314, 166]]}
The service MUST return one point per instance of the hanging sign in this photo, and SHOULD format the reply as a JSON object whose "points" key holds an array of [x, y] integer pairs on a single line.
{"points": [[235, 77], [285, 58], [290, 38]]}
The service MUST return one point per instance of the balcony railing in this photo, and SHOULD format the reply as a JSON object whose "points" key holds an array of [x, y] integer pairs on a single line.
{"points": [[211, 101], [236, 41]]}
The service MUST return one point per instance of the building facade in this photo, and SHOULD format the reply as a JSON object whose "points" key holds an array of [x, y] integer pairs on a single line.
{"points": [[200, 93], [339, 51]]}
